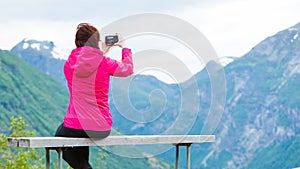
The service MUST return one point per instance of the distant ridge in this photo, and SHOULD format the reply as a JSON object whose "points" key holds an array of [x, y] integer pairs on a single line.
{"points": [[43, 55]]}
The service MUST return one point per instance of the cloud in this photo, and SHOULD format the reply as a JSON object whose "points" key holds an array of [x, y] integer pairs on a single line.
{"points": [[55, 20], [236, 26], [69, 10], [232, 26]]}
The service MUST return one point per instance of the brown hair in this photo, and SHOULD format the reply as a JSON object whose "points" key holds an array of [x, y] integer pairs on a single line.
{"points": [[87, 35]]}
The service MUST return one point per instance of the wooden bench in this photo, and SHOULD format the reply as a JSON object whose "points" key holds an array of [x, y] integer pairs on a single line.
{"points": [[58, 143]]}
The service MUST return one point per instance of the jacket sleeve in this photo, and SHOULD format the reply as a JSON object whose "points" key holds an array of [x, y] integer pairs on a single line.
{"points": [[125, 67]]}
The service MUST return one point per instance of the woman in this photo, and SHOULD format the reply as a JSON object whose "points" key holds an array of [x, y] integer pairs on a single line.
{"points": [[87, 72]]}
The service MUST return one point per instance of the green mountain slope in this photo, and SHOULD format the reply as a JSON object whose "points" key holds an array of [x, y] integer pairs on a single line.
{"points": [[279, 154], [27, 92]]}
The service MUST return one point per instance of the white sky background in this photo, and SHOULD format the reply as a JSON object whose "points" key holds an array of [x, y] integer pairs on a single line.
{"points": [[233, 27]]}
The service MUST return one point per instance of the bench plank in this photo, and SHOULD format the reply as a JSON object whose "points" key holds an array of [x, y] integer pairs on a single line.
{"points": [[40, 142]]}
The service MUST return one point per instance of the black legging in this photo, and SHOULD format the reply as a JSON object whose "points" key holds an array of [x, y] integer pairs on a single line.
{"points": [[78, 157]]}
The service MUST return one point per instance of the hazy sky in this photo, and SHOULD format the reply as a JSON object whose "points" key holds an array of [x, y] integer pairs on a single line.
{"points": [[233, 27]]}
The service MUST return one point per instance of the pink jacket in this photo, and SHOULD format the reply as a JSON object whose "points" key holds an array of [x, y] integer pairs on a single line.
{"points": [[88, 72]]}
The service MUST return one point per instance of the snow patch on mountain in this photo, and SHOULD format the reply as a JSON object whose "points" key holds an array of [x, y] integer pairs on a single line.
{"points": [[36, 46], [295, 36], [25, 45], [226, 60], [47, 48]]}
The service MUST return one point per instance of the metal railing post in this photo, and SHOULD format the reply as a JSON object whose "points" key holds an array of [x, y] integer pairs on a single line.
{"points": [[177, 155], [188, 164], [60, 158], [47, 158], [188, 156]]}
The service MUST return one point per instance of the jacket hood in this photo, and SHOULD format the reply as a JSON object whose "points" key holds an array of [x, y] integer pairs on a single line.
{"points": [[87, 62]]}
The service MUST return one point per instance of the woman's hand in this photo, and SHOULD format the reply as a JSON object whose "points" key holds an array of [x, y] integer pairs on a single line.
{"points": [[105, 48], [121, 42]]}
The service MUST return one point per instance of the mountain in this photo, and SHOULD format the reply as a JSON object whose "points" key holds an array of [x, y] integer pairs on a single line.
{"points": [[31, 94], [262, 107], [264, 101], [260, 125], [43, 55], [41, 101]]}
